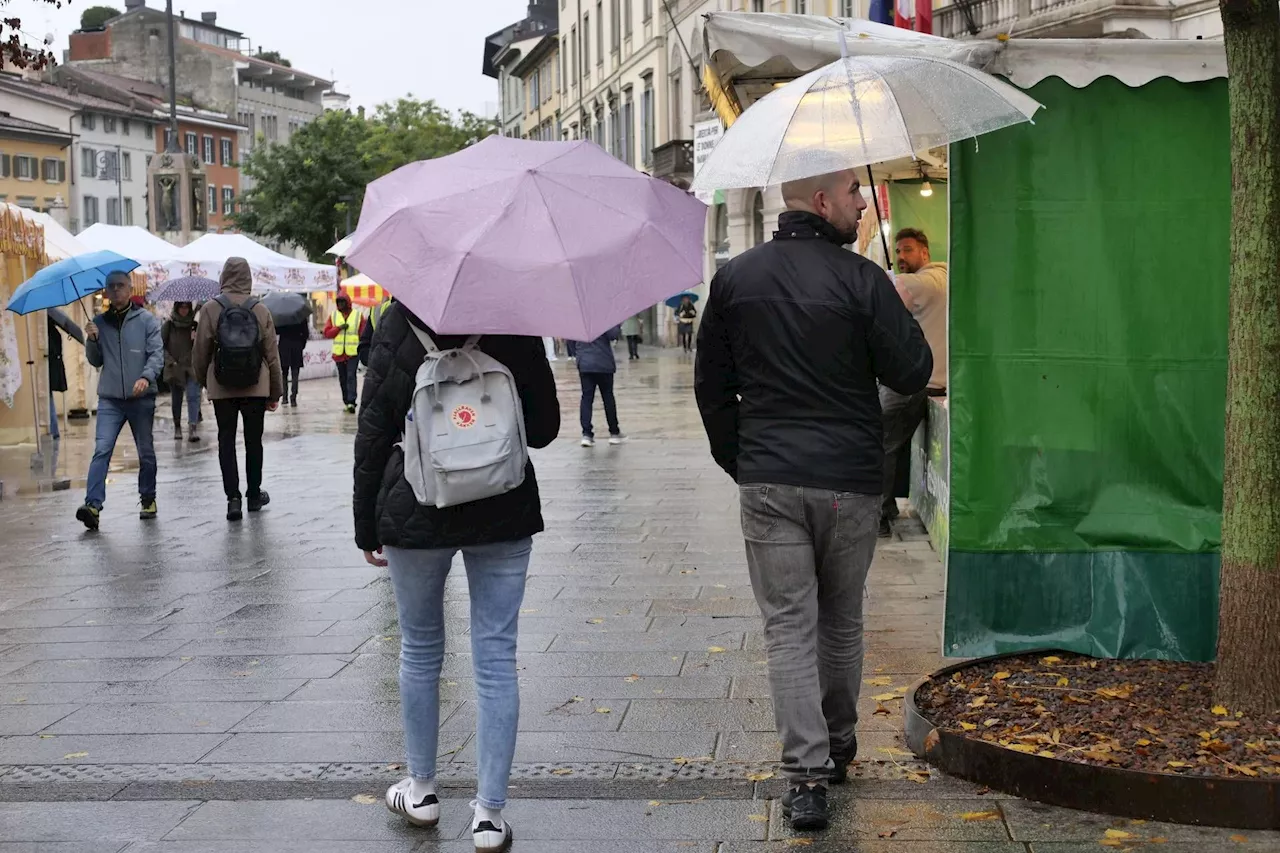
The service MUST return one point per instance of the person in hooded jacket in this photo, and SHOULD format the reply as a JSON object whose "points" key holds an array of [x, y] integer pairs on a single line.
{"points": [[230, 405], [419, 542], [596, 369], [179, 336], [293, 354]]}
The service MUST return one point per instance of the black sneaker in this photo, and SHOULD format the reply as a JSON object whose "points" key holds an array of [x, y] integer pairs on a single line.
{"points": [[257, 503], [88, 516], [886, 528], [840, 774], [806, 807], [234, 511], [149, 509]]}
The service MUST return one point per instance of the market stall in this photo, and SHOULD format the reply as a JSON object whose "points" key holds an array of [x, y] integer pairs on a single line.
{"points": [[22, 252], [1073, 478], [271, 270]]}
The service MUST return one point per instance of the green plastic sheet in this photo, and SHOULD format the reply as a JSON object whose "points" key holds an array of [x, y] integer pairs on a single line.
{"points": [[1088, 368]]}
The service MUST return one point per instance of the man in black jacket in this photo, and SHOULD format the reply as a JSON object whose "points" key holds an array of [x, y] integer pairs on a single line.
{"points": [[796, 334]]}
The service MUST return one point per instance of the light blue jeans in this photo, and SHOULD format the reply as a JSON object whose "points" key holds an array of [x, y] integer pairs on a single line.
{"points": [[495, 578], [139, 413]]}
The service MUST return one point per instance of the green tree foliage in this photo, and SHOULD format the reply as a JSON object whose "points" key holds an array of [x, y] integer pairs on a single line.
{"points": [[274, 56], [95, 16], [304, 190], [299, 187], [410, 130]]}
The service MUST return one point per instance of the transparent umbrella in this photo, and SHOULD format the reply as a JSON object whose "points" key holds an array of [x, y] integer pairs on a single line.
{"points": [[857, 111]]}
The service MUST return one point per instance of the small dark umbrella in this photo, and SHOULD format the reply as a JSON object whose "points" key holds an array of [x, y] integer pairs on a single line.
{"points": [[66, 324], [189, 288], [287, 309], [674, 301]]}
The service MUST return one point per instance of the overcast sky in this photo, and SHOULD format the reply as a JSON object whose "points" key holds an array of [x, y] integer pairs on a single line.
{"points": [[377, 50]]}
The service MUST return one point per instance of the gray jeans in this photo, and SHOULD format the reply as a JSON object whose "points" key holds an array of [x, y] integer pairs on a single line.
{"points": [[808, 552], [901, 416]]}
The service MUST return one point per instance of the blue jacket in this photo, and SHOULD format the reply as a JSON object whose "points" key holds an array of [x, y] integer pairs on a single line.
{"points": [[597, 356], [126, 351]]}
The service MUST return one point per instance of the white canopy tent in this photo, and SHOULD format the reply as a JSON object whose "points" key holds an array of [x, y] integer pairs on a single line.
{"points": [[752, 51], [59, 243], [271, 270], [150, 251]]}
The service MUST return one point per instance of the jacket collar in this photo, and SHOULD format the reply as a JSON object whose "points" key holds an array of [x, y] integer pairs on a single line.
{"points": [[802, 225]]}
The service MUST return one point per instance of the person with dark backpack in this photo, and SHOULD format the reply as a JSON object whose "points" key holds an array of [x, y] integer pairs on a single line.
{"points": [[237, 359]]}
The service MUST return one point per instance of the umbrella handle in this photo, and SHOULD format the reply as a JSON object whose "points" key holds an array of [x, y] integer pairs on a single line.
{"points": [[884, 243]]}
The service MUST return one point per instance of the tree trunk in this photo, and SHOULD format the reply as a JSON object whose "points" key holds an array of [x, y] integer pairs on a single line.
{"points": [[1249, 615]]}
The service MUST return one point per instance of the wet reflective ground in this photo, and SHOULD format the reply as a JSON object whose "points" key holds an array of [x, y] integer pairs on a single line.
{"points": [[191, 685]]}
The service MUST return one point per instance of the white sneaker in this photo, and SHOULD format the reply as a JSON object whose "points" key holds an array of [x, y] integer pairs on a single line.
{"points": [[588, 441], [400, 801], [617, 439], [492, 839]]}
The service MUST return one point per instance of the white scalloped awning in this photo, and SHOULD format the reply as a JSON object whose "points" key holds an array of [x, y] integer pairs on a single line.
{"points": [[747, 47]]}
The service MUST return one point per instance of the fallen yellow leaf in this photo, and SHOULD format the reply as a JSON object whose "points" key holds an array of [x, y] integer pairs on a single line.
{"points": [[1022, 747], [886, 697], [889, 750], [603, 711], [799, 842], [1000, 676], [1044, 753], [1143, 742], [1064, 681], [1118, 833], [76, 755], [529, 610], [1239, 839], [968, 727], [991, 722], [364, 799], [979, 702], [758, 818], [1051, 660], [562, 771], [760, 777], [679, 759], [971, 817], [595, 621], [1219, 711], [1159, 839], [883, 681], [1176, 764], [631, 679], [715, 650]]}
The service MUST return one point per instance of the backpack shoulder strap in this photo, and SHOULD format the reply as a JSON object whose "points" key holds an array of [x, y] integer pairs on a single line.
{"points": [[425, 339], [222, 300], [250, 303], [472, 343]]}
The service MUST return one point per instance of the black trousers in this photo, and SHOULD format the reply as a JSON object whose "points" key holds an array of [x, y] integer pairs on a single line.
{"points": [[293, 374], [685, 331], [633, 346], [229, 412], [603, 381], [347, 379]]}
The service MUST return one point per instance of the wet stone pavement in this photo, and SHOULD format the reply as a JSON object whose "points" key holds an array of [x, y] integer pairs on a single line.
{"points": [[190, 686]]}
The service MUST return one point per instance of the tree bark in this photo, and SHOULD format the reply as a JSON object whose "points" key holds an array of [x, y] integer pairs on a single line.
{"points": [[1248, 676]]}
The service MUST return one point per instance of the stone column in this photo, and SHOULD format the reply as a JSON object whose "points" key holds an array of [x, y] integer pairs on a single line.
{"points": [[773, 207]]}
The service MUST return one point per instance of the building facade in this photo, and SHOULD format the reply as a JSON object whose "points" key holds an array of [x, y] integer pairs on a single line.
{"points": [[34, 167], [1179, 19], [111, 142], [217, 73]]}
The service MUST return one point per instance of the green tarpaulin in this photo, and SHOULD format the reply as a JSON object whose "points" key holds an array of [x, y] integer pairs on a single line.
{"points": [[909, 209], [1088, 366]]}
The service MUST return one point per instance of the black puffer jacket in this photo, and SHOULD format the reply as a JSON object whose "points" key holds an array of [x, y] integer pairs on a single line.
{"points": [[386, 512], [795, 335]]}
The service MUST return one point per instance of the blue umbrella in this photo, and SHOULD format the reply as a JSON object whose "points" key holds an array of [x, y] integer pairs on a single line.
{"points": [[189, 288], [674, 302], [66, 281]]}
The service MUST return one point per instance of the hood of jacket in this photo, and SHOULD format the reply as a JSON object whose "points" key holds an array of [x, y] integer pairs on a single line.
{"points": [[180, 321], [236, 280]]}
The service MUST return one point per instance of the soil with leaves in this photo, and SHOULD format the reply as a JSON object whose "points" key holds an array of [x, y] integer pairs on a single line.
{"points": [[1151, 716]]}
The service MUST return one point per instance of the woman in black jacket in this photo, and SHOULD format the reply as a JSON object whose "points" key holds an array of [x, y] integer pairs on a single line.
{"points": [[293, 346], [495, 538]]}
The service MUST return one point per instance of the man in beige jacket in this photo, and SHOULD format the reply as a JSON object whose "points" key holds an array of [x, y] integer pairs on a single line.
{"points": [[922, 284], [240, 367]]}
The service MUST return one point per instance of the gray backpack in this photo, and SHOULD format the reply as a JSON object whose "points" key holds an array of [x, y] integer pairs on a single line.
{"points": [[464, 437]]}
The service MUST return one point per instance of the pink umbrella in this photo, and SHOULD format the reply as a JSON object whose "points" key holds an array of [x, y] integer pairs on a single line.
{"points": [[528, 238]]}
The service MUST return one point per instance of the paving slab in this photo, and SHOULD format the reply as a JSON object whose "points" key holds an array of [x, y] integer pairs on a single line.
{"points": [[26, 719], [292, 820], [907, 820], [153, 718], [108, 749], [96, 822], [1037, 822], [571, 747]]}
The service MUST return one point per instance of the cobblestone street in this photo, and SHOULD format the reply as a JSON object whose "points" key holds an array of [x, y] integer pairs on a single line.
{"points": [[190, 686]]}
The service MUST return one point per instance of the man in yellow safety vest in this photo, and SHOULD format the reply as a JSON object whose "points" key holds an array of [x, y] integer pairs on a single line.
{"points": [[344, 327]]}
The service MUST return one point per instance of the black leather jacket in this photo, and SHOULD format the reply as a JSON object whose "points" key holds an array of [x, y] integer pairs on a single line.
{"points": [[794, 338]]}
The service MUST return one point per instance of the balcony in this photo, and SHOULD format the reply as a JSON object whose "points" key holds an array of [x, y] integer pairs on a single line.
{"points": [[674, 160], [1070, 18]]}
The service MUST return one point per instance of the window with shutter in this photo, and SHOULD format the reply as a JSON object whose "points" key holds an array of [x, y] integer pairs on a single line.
{"points": [[6, 165], [62, 171]]}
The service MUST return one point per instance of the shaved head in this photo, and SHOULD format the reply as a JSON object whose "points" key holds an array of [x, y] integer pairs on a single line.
{"points": [[836, 197]]}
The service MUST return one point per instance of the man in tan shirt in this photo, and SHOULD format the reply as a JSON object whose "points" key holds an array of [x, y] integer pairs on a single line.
{"points": [[922, 285]]}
